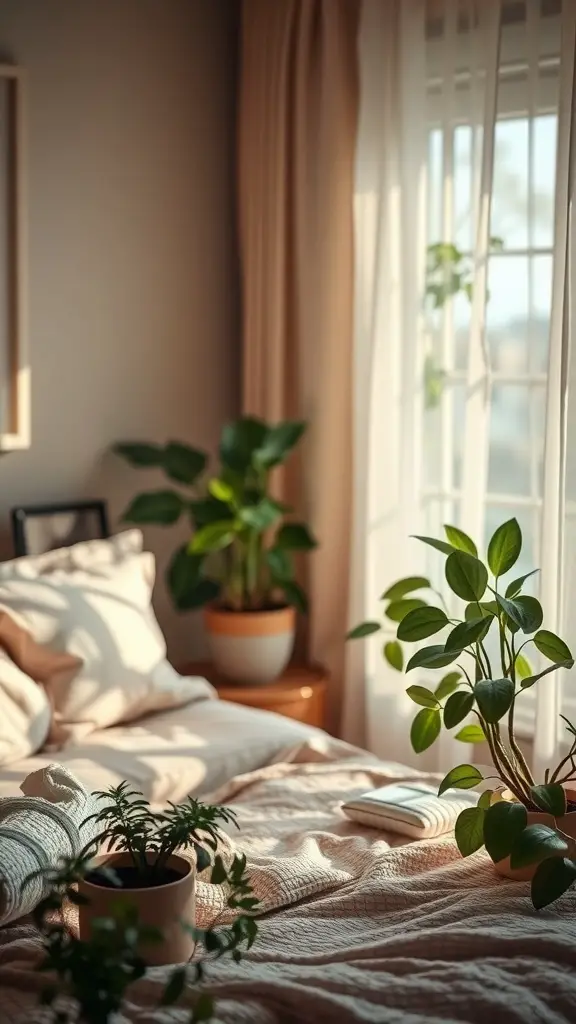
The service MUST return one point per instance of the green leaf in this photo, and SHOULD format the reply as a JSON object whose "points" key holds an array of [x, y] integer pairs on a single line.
{"points": [[457, 707], [464, 776], [420, 695], [467, 633], [158, 508], [471, 734], [295, 537], [221, 490], [533, 613], [504, 822], [481, 609], [466, 576], [295, 595], [260, 517], [431, 657], [552, 879], [138, 454], [515, 587], [398, 610], [530, 680], [515, 613], [550, 798], [420, 623], [440, 545], [239, 442], [469, 830], [484, 799], [174, 987], [494, 697], [534, 844], [448, 685], [405, 586], [553, 648], [203, 859], [504, 547], [278, 442], [208, 510], [186, 585], [394, 655], [203, 1008], [183, 463], [458, 539], [364, 629], [425, 729], [523, 667], [218, 874], [280, 564], [213, 537]]}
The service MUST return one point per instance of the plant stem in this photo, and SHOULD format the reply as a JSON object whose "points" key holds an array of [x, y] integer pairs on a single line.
{"points": [[569, 757], [503, 764], [529, 778]]}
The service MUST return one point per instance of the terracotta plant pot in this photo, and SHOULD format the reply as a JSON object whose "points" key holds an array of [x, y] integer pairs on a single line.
{"points": [[250, 647], [162, 906], [568, 825]]}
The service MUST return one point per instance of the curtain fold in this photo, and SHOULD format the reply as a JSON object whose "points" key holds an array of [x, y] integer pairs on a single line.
{"points": [[297, 133]]}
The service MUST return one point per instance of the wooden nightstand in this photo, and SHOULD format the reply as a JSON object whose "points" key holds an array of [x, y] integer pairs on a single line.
{"points": [[298, 693]]}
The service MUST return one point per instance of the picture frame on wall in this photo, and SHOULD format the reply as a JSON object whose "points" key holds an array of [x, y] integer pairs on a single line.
{"points": [[15, 373], [40, 528]]}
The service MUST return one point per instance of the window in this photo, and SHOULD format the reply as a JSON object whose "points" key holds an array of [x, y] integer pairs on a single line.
{"points": [[519, 283]]}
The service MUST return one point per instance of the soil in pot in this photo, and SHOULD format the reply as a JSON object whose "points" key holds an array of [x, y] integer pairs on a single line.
{"points": [[130, 878]]}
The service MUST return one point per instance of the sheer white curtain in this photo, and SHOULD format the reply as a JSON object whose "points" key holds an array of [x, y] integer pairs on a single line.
{"points": [[454, 399]]}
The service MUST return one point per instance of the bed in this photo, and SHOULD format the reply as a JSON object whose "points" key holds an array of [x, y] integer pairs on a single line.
{"points": [[355, 925]]}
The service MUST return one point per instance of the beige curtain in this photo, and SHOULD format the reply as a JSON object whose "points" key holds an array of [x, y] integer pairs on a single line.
{"points": [[297, 134]]}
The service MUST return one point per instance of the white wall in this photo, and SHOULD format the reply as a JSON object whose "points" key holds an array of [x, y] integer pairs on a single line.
{"points": [[132, 295]]}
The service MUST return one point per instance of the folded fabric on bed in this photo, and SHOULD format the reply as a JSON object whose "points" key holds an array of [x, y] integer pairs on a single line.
{"points": [[36, 830]]}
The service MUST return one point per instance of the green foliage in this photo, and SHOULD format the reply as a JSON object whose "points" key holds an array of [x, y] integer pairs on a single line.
{"points": [[241, 550], [90, 978], [151, 837], [488, 692]]}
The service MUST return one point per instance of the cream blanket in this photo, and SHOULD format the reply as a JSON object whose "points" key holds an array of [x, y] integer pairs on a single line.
{"points": [[357, 927]]}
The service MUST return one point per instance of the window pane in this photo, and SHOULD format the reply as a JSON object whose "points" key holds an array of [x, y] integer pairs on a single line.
{"points": [[435, 186], [541, 284], [509, 467], [458, 431], [544, 179], [507, 313], [463, 187], [510, 191]]}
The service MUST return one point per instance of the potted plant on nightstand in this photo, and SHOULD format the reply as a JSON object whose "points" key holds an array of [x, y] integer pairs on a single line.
{"points": [[239, 561], [527, 825]]}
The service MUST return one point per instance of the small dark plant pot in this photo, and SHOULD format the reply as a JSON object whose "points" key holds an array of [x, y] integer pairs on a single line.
{"points": [[165, 906], [251, 647]]}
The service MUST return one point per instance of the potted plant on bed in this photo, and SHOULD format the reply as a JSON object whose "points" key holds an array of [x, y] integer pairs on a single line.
{"points": [[88, 976], [528, 826], [239, 561], [142, 859]]}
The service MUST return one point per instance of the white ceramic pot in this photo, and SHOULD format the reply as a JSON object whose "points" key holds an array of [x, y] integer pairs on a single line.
{"points": [[250, 647], [162, 906]]}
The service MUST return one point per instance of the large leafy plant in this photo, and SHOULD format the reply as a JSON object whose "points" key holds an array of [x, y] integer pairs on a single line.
{"points": [[479, 696], [241, 551]]}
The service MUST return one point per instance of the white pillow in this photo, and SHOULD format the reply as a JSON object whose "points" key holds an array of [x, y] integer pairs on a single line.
{"points": [[24, 713], [88, 554], [104, 617]]}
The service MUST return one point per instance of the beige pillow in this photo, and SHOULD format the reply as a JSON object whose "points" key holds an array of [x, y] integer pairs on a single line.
{"points": [[24, 713], [38, 661], [104, 618]]}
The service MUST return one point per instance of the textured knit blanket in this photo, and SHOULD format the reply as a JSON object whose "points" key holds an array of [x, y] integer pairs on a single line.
{"points": [[356, 927]]}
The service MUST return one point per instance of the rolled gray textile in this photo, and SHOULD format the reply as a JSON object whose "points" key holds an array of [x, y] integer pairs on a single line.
{"points": [[36, 830]]}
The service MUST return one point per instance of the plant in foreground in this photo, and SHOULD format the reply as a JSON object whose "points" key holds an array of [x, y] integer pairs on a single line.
{"points": [[241, 551], [487, 693], [92, 975]]}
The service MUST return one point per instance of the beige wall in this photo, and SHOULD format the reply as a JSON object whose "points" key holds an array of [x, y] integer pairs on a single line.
{"points": [[132, 297]]}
